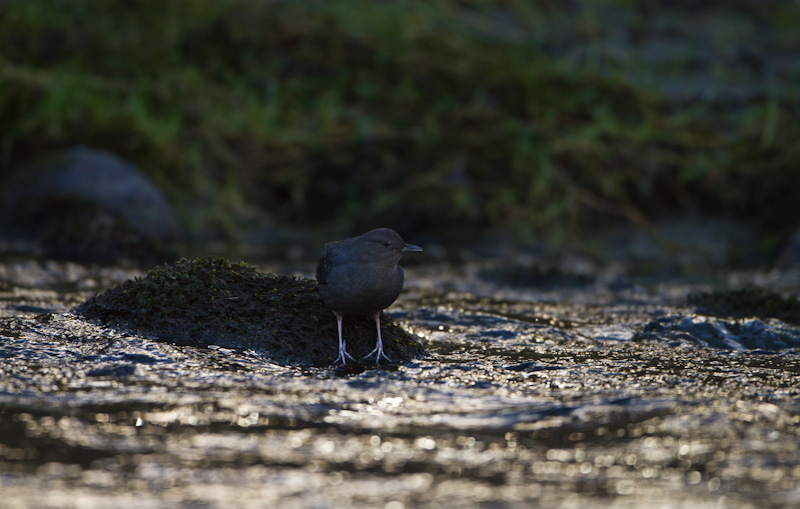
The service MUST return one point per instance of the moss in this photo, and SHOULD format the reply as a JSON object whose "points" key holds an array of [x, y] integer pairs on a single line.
{"points": [[747, 302], [215, 302]]}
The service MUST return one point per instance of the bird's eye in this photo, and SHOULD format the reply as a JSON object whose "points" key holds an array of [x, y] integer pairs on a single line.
{"points": [[386, 243]]}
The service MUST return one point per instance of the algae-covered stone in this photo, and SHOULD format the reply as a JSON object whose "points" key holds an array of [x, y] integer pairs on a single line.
{"points": [[215, 302]]}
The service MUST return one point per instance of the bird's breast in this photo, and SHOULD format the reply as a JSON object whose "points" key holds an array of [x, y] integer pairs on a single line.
{"points": [[361, 289]]}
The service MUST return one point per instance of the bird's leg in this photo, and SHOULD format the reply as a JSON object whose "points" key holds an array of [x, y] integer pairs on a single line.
{"points": [[342, 351], [379, 346]]}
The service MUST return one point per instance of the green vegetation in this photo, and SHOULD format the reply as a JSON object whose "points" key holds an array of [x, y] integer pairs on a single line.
{"points": [[214, 302], [747, 302], [443, 115]]}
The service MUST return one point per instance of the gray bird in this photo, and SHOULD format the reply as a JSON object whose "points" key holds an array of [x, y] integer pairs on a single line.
{"points": [[361, 276]]}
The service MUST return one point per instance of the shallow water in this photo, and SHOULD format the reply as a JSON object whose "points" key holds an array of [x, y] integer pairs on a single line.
{"points": [[546, 395]]}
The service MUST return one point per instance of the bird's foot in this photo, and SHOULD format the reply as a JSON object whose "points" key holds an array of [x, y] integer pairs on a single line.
{"points": [[342, 357], [379, 351]]}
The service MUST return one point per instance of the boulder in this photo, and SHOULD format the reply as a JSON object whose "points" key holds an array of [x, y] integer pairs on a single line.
{"points": [[88, 205]]}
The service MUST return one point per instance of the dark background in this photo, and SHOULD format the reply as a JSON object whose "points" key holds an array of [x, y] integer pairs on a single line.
{"points": [[538, 122]]}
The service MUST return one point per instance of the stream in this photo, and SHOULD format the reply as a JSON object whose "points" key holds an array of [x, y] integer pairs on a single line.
{"points": [[580, 389]]}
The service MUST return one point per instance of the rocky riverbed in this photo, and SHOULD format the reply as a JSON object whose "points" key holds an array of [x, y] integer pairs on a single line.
{"points": [[547, 388]]}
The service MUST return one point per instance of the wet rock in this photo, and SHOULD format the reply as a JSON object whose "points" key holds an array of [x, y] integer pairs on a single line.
{"points": [[89, 205], [214, 302], [36, 310], [713, 332], [140, 358], [532, 366], [748, 318], [120, 371]]}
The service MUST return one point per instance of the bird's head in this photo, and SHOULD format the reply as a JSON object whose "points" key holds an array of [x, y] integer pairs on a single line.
{"points": [[385, 244]]}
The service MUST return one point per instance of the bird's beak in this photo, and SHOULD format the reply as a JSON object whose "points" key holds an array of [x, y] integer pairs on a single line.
{"points": [[410, 247]]}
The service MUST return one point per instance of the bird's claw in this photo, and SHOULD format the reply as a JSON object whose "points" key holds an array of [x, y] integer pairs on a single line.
{"points": [[342, 355], [380, 354]]}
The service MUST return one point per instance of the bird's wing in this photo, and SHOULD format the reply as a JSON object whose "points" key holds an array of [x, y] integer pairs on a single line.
{"points": [[322, 270], [330, 258]]}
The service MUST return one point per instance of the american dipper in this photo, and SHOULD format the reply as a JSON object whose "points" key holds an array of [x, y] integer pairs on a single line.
{"points": [[361, 276]]}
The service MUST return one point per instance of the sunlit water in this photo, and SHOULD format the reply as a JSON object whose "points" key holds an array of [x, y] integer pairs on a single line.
{"points": [[529, 396]]}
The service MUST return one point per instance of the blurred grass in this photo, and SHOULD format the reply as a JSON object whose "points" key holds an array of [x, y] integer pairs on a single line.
{"points": [[446, 116]]}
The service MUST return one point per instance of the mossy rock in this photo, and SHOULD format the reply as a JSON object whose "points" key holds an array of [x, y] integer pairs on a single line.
{"points": [[747, 302], [215, 302]]}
